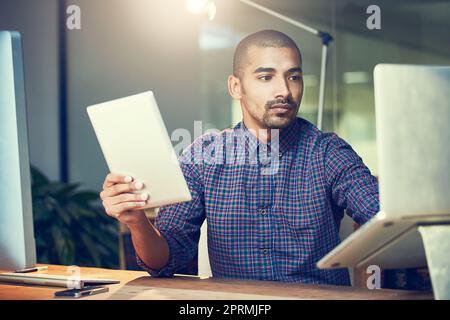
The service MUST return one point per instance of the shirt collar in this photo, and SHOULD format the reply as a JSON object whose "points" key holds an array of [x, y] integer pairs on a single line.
{"points": [[287, 136]]}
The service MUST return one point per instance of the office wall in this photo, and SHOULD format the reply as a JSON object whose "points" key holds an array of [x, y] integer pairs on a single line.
{"points": [[37, 21], [126, 47]]}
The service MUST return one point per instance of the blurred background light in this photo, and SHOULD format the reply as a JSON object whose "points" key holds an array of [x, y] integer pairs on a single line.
{"points": [[202, 6], [356, 77]]}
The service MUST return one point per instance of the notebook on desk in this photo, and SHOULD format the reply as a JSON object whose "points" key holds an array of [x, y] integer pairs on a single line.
{"points": [[44, 279]]}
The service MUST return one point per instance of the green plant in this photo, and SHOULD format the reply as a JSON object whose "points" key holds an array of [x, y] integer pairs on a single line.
{"points": [[70, 227]]}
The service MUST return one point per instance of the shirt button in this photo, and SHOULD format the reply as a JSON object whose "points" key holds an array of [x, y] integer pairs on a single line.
{"points": [[280, 155], [263, 211], [266, 251]]}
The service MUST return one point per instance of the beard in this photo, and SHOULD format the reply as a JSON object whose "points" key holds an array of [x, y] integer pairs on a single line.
{"points": [[279, 120]]}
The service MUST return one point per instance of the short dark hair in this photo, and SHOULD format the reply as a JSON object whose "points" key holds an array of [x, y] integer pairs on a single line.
{"points": [[263, 38]]}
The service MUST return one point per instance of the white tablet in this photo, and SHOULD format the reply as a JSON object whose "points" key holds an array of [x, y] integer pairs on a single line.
{"points": [[135, 142]]}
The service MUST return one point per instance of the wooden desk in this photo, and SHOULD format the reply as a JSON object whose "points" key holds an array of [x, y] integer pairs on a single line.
{"points": [[139, 285]]}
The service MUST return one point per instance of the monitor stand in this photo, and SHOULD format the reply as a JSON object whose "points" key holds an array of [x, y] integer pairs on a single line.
{"points": [[436, 242]]}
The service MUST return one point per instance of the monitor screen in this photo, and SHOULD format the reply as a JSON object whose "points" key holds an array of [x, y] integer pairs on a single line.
{"points": [[17, 245]]}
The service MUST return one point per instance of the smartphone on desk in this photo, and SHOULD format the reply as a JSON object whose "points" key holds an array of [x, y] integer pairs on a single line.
{"points": [[78, 293]]}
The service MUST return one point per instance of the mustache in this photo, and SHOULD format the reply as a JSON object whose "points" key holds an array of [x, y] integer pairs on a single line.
{"points": [[285, 102]]}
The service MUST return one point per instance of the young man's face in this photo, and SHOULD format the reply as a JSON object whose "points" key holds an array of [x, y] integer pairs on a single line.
{"points": [[271, 87]]}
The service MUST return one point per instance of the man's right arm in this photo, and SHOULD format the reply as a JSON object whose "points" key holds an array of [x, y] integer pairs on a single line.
{"points": [[179, 224], [172, 242], [126, 207], [150, 245]]}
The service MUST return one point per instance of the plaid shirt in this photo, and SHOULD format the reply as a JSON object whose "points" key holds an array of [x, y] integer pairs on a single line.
{"points": [[266, 221]]}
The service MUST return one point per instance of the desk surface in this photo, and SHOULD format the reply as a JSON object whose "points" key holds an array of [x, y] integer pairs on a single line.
{"points": [[139, 285]]}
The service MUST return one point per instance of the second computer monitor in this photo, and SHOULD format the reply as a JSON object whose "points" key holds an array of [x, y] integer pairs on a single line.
{"points": [[17, 245]]}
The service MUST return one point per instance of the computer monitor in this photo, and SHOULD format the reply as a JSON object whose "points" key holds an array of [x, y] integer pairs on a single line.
{"points": [[412, 104], [17, 245]]}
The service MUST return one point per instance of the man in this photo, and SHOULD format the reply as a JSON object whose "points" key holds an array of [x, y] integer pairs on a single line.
{"points": [[269, 218]]}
